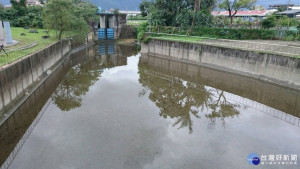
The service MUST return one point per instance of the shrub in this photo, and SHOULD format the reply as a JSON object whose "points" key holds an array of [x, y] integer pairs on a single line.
{"points": [[141, 31], [269, 22], [147, 40]]}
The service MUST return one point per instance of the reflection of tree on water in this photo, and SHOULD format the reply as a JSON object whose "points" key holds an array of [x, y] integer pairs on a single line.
{"points": [[76, 84], [181, 99], [80, 77], [221, 108]]}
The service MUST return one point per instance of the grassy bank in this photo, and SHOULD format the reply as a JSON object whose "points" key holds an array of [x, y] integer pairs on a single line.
{"points": [[178, 38], [26, 40]]}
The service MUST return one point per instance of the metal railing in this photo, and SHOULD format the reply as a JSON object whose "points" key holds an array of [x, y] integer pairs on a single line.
{"points": [[279, 49], [14, 54]]}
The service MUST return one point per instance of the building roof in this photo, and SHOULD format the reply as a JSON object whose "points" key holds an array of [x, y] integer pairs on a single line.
{"points": [[293, 11], [130, 12], [243, 13], [110, 14]]}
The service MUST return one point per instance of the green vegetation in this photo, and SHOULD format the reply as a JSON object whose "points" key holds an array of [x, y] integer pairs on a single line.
{"points": [[20, 16], [239, 34], [190, 39], [178, 13], [70, 17], [26, 40], [65, 18], [193, 17], [272, 21], [223, 33], [269, 22], [61, 15], [141, 31]]}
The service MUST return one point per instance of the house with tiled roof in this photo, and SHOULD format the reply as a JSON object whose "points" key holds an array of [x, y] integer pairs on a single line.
{"points": [[246, 15]]}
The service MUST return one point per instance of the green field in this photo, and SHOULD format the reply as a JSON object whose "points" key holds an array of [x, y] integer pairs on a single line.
{"points": [[26, 40]]}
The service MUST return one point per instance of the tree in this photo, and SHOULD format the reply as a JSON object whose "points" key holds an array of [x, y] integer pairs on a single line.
{"points": [[144, 6], [269, 22], [86, 10], [20, 6], [60, 19], [176, 12], [64, 19], [281, 8], [288, 22], [233, 6], [197, 6]]}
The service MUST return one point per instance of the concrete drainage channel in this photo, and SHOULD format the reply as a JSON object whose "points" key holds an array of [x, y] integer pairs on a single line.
{"points": [[16, 91]]}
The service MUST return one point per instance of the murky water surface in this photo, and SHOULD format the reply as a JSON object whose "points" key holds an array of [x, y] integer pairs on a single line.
{"points": [[115, 108]]}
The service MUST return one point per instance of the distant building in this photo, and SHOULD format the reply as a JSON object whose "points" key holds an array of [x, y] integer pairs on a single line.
{"points": [[246, 15], [295, 7], [284, 6], [290, 13], [131, 13], [258, 8], [33, 3]]}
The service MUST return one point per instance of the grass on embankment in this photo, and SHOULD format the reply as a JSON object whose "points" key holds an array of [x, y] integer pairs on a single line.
{"points": [[178, 38], [26, 40]]}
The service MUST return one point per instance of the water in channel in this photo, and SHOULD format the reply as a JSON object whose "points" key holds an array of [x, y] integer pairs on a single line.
{"points": [[110, 107]]}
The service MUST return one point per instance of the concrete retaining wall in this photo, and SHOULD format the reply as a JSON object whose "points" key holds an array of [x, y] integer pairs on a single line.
{"points": [[16, 78], [274, 68], [250, 88]]}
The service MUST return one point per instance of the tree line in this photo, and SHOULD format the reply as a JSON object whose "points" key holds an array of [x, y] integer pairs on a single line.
{"points": [[71, 17], [189, 13]]}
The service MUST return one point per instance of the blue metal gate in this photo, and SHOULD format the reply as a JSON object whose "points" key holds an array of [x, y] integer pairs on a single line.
{"points": [[110, 33], [101, 34], [104, 34]]}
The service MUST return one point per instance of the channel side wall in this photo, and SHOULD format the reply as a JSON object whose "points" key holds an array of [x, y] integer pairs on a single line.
{"points": [[16, 78], [277, 69]]}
